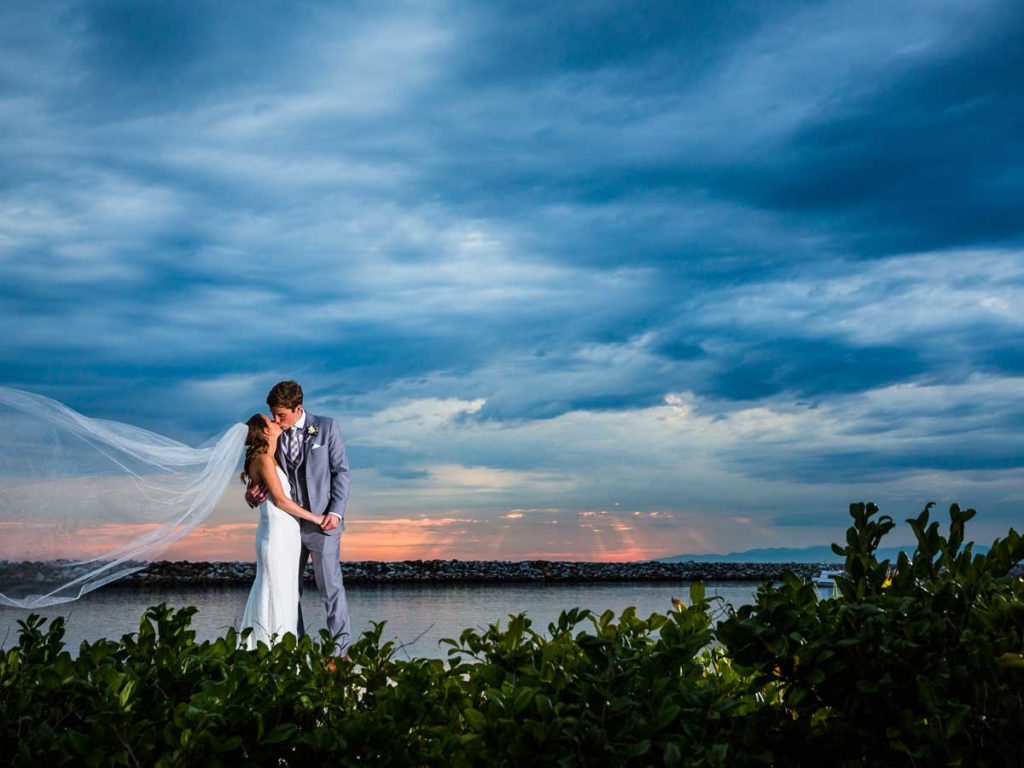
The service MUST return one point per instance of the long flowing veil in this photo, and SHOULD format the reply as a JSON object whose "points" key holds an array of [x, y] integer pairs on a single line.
{"points": [[86, 501]]}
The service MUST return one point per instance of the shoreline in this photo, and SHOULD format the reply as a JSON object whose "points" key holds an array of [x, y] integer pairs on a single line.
{"points": [[201, 573]]}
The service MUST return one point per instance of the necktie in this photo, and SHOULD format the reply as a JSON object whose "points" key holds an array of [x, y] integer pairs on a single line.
{"points": [[294, 444]]}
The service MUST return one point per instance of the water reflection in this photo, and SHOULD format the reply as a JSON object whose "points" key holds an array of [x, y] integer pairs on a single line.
{"points": [[417, 616]]}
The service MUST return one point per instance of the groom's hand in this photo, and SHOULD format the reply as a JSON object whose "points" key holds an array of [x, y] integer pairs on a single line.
{"points": [[330, 522], [255, 495]]}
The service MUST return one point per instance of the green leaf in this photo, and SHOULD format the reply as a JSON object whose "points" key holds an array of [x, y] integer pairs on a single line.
{"points": [[1011, 661], [667, 715], [126, 693], [697, 592], [796, 694], [522, 699], [279, 733], [475, 718], [672, 755]]}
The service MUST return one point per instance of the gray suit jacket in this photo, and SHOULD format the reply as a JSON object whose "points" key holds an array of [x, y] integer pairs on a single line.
{"points": [[320, 481]]}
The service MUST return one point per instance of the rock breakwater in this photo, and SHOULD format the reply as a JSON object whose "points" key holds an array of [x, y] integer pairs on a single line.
{"points": [[479, 572]]}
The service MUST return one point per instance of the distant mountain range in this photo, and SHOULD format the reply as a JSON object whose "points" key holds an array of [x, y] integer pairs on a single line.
{"points": [[792, 555]]}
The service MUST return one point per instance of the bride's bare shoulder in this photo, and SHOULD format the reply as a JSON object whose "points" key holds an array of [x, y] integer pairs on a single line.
{"points": [[261, 464]]}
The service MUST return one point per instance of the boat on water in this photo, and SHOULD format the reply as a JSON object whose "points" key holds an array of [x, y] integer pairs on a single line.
{"points": [[826, 579]]}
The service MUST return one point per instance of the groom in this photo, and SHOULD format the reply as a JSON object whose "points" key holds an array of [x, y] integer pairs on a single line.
{"points": [[312, 454]]}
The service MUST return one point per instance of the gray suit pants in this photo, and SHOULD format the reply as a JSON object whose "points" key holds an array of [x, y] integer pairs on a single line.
{"points": [[327, 570]]}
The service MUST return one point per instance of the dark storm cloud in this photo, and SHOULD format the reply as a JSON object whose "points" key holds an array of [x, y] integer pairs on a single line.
{"points": [[925, 159], [807, 368]]}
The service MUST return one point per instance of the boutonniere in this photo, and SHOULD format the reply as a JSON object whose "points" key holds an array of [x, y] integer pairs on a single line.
{"points": [[312, 430]]}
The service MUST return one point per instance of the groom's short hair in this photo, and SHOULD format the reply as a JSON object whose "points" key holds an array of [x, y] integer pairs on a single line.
{"points": [[285, 394]]}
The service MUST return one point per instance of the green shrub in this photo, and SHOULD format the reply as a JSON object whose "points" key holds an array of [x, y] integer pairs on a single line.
{"points": [[632, 692], [919, 663], [637, 692]]}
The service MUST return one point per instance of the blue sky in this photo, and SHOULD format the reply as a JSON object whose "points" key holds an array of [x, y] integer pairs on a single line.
{"points": [[587, 280]]}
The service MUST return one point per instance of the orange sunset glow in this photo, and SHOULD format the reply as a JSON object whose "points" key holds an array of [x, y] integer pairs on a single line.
{"points": [[515, 535], [518, 533]]}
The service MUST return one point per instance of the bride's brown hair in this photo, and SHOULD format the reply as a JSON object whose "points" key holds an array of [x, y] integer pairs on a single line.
{"points": [[255, 442]]}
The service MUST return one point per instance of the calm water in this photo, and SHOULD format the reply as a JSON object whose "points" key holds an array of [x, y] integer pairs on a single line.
{"points": [[416, 615]]}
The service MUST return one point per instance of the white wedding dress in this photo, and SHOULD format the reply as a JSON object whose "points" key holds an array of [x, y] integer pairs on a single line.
{"points": [[273, 606]]}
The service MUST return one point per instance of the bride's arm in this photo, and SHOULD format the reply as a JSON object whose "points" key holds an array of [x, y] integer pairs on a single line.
{"points": [[267, 470]]}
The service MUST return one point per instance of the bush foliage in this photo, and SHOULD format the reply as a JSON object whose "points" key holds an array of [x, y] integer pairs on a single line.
{"points": [[915, 663], [918, 662]]}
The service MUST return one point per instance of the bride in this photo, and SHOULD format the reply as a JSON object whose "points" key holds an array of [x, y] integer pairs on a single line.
{"points": [[88, 501], [273, 606]]}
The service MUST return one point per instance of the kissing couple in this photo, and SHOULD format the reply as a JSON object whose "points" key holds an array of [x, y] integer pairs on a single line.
{"points": [[296, 472]]}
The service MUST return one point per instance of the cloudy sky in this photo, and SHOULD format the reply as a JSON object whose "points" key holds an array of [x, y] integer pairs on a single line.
{"points": [[577, 280]]}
